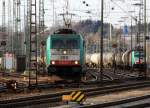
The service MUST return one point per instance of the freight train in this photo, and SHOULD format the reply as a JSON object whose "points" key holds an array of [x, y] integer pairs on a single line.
{"points": [[93, 60], [65, 54], [127, 59], [134, 58]]}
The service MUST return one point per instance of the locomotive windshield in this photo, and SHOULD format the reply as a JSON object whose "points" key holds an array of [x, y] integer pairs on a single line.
{"points": [[65, 44], [137, 54]]}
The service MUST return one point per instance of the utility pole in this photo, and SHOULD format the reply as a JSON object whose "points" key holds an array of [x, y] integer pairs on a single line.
{"points": [[110, 32], [9, 25], [24, 33], [138, 24], [145, 30], [41, 17], [10, 31], [18, 47], [101, 42], [27, 37], [3, 42], [131, 42], [3, 18], [53, 12], [14, 32], [19, 35], [41, 33], [132, 18]]}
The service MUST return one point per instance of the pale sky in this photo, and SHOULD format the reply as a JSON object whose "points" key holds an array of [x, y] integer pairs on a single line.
{"points": [[121, 8]]}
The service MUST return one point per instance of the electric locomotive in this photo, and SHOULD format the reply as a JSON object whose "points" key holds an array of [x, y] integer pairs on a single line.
{"points": [[138, 59], [65, 54], [134, 58]]}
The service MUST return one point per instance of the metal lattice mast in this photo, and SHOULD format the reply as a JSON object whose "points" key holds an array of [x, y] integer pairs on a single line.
{"points": [[14, 31], [27, 37], [3, 21], [41, 27], [10, 28], [9, 25], [145, 33], [140, 37], [24, 28], [33, 40], [3, 41], [41, 16], [18, 28]]}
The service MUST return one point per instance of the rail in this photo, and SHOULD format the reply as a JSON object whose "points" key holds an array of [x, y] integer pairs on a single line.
{"points": [[125, 103], [56, 97]]}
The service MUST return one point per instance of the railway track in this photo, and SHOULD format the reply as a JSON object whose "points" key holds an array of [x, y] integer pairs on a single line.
{"points": [[24, 85], [61, 84], [56, 97], [136, 102], [47, 85], [2, 88]]}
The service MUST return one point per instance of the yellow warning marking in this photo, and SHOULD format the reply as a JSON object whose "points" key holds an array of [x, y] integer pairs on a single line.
{"points": [[72, 93], [76, 95], [83, 99], [66, 97], [79, 99]]}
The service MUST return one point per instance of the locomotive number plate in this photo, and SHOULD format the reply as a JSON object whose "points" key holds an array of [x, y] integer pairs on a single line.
{"points": [[64, 57]]}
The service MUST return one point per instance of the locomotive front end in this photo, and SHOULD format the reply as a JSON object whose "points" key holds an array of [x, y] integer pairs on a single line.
{"points": [[65, 55]]}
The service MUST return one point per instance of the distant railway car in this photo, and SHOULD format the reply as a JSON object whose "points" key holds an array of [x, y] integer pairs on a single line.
{"points": [[126, 59], [133, 58], [138, 59], [88, 60], [118, 59], [123, 60], [107, 59], [95, 59], [65, 54]]}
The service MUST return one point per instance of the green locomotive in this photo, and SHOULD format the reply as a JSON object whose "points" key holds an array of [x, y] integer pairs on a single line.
{"points": [[65, 54]]}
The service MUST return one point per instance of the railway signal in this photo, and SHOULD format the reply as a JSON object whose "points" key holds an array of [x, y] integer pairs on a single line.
{"points": [[114, 45], [147, 37], [3, 43]]}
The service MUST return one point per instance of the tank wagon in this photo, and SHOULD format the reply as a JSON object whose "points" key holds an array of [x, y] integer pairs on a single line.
{"points": [[93, 60], [88, 60], [127, 59], [65, 54]]}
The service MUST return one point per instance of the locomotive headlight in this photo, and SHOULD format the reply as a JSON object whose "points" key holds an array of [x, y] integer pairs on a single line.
{"points": [[65, 52], [76, 62], [53, 62]]}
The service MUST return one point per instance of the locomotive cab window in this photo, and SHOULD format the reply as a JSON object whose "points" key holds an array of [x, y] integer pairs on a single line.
{"points": [[72, 43], [137, 54], [57, 43], [65, 43]]}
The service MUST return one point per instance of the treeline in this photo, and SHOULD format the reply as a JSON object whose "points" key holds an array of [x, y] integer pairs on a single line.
{"points": [[90, 26]]}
